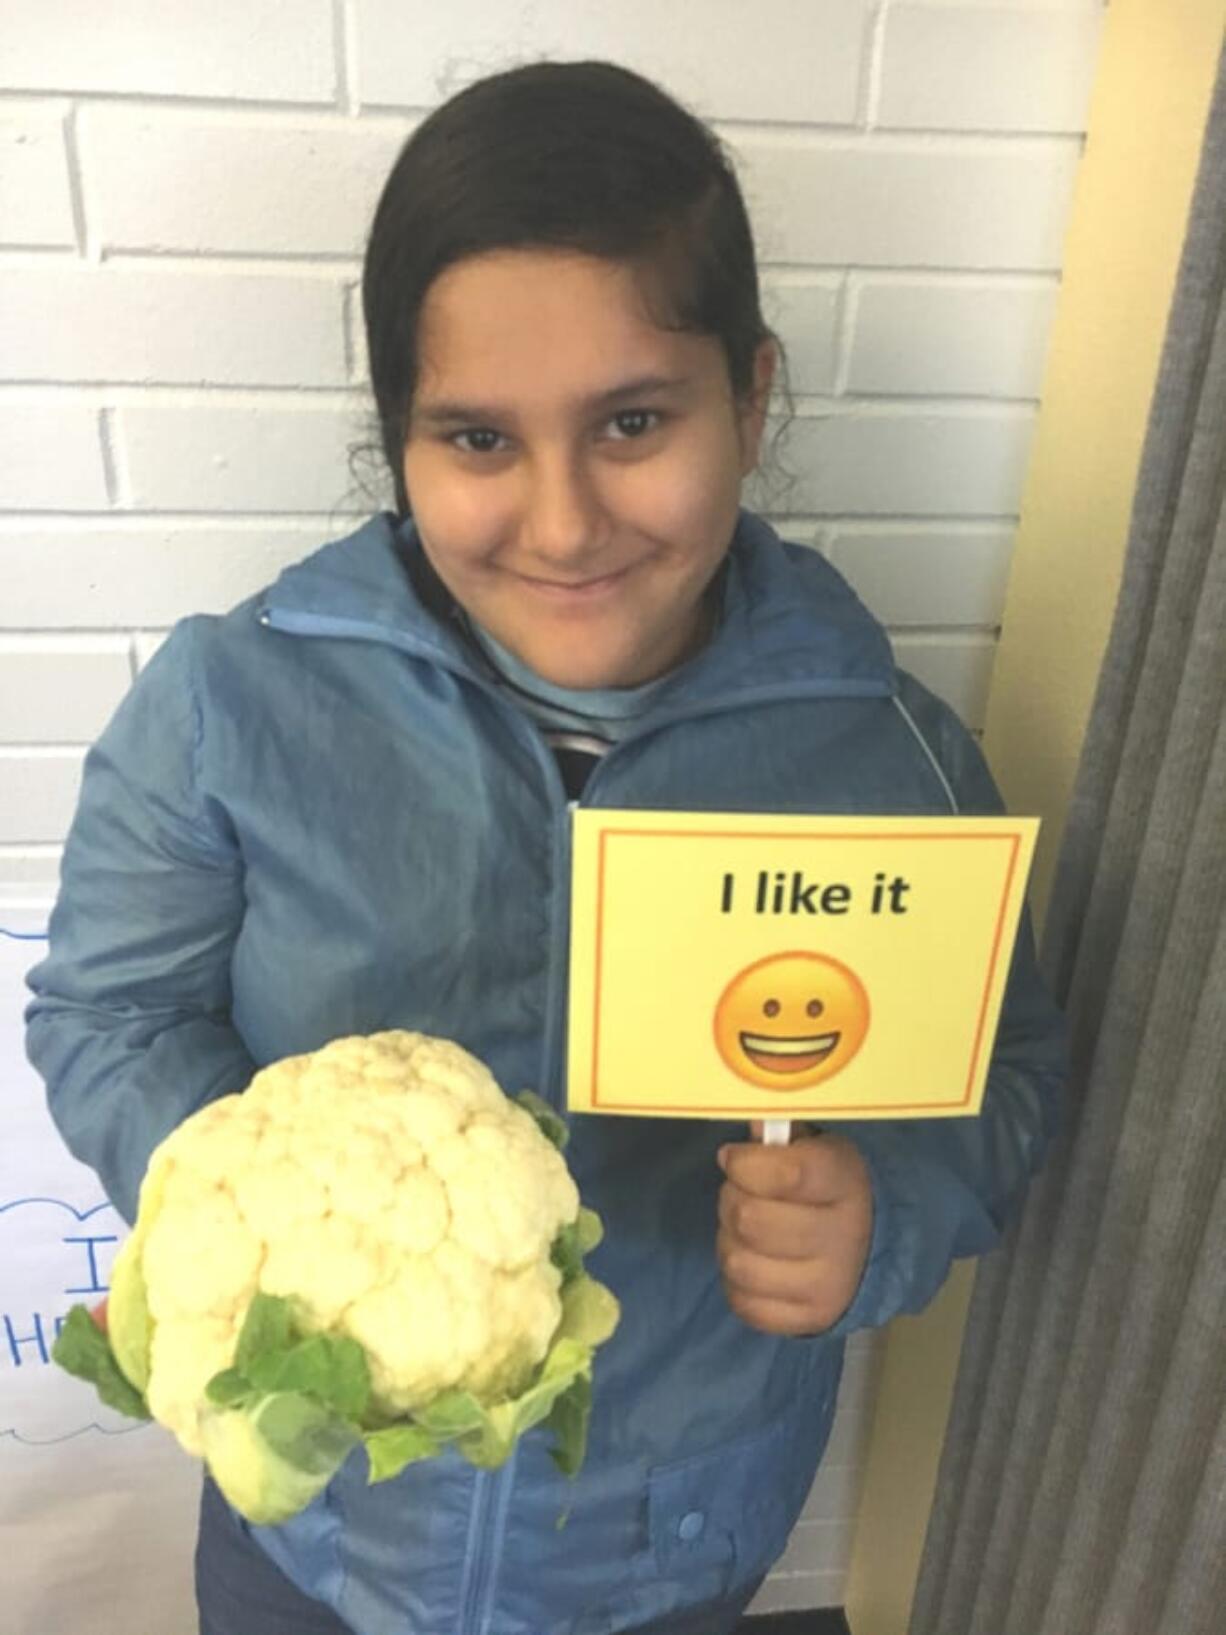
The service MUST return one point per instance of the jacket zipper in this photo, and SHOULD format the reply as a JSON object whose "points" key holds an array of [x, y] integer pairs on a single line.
{"points": [[492, 1491], [491, 1496], [472, 1576]]}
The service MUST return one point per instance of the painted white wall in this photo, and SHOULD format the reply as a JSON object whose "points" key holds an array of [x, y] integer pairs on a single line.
{"points": [[184, 192]]}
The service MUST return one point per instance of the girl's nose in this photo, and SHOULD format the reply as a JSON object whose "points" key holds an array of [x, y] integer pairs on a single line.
{"points": [[562, 516]]}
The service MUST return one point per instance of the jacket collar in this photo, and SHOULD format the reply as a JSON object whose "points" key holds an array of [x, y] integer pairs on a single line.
{"points": [[789, 620]]}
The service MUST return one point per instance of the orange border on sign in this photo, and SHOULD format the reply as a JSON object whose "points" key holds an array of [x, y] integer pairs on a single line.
{"points": [[757, 1109]]}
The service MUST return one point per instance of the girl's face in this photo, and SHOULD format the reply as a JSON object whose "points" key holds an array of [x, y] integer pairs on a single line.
{"points": [[574, 471]]}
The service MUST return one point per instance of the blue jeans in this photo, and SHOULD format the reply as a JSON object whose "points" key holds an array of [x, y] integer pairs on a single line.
{"points": [[241, 1592]]}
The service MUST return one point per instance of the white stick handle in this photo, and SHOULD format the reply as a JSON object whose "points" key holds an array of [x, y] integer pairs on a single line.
{"points": [[776, 1132]]}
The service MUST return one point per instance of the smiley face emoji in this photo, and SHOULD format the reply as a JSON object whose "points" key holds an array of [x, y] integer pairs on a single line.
{"points": [[791, 1020]]}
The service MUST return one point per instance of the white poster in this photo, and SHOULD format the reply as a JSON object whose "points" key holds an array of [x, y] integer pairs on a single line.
{"points": [[97, 1512]]}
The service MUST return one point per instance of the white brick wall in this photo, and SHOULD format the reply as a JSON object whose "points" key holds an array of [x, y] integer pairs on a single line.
{"points": [[35, 200], [85, 324], [184, 195], [773, 60], [265, 50], [987, 67], [229, 182]]}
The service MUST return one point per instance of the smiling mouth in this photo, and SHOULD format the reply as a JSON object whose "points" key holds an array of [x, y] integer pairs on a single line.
{"points": [[788, 1055], [578, 588], [574, 584]]}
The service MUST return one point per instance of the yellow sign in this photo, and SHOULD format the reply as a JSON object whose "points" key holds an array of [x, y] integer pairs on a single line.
{"points": [[734, 966]]}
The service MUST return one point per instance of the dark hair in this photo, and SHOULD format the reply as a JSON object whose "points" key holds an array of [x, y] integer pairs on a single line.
{"points": [[584, 156]]}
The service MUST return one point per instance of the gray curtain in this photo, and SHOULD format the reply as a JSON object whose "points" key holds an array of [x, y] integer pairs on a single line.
{"points": [[1082, 1488]]}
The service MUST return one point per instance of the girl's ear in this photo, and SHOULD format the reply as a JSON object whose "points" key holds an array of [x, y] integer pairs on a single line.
{"points": [[753, 411]]}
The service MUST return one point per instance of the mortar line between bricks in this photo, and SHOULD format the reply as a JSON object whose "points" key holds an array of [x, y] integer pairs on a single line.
{"points": [[116, 485], [31, 641], [154, 517], [326, 265], [353, 398], [969, 635], [968, 401], [829, 133], [928, 270], [326, 112], [894, 519], [348, 311], [937, 523], [152, 521], [881, 407], [323, 263], [344, 40], [966, 280], [76, 193], [17, 254], [937, 527], [146, 101], [868, 94], [900, 140], [36, 633], [156, 392], [849, 313], [186, 394]]}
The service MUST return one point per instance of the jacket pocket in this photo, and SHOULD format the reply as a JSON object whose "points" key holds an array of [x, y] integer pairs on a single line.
{"points": [[725, 1515]]}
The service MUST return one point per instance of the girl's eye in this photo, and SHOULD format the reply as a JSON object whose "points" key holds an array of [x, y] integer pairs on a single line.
{"points": [[632, 423], [481, 440], [627, 425]]}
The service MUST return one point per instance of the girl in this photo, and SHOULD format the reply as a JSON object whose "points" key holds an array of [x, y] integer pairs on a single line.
{"points": [[344, 807]]}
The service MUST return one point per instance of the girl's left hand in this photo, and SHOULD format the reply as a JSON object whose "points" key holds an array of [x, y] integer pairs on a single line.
{"points": [[795, 1225]]}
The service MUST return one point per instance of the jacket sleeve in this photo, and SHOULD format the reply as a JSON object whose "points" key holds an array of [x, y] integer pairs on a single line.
{"points": [[130, 1024], [944, 1188]]}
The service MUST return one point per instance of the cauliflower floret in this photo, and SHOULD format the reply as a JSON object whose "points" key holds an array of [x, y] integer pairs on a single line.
{"points": [[525, 1310], [430, 1115], [325, 1265], [447, 1067], [184, 1355], [508, 1190], [200, 1258], [415, 1338], [449, 1321], [272, 1196], [220, 1139], [418, 1217], [472, 1284]]}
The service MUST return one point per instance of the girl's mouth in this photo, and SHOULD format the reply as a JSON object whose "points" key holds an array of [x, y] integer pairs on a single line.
{"points": [[574, 589]]}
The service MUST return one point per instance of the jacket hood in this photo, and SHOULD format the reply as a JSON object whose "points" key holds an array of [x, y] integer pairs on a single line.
{"points": [[788, 618]]}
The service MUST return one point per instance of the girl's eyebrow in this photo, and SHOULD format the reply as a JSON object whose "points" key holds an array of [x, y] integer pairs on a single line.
{"points": [[447, 412]]}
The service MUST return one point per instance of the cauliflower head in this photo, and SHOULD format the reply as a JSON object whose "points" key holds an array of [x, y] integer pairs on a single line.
{"points": [[371, 1243]]}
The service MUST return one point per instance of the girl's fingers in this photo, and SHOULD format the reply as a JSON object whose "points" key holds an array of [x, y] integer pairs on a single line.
{"points": [[776, 1316], [763, 1276], [783, 1297], [785, 1230], [816, 1170]]}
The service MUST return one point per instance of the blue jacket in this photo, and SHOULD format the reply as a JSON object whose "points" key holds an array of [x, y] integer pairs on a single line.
{"points": [[318, 816]]}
